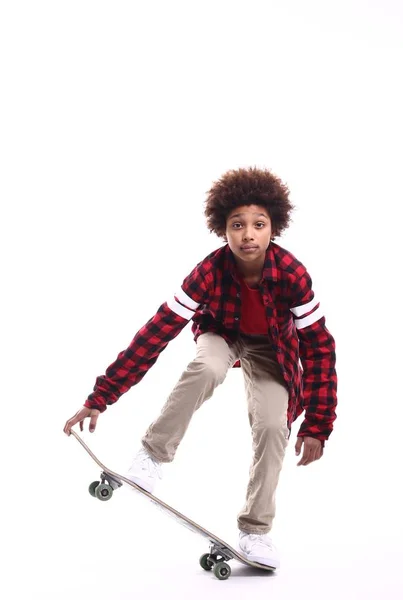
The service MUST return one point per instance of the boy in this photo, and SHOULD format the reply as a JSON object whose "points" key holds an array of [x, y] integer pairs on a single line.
{"points": [[252, 306]]}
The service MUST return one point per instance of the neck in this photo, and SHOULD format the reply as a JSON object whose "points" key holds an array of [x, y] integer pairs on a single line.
{"points": [[253, 271], [250, 269]]}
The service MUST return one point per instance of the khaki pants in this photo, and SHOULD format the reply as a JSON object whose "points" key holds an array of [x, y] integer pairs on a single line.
{"points": [[267, 398]]}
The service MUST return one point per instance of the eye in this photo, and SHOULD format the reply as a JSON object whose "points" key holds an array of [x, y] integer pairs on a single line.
{"points": [[259, 223]]}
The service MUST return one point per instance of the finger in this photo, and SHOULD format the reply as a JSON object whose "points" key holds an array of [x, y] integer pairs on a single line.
{"points": [[314, 454], [69, 424], [78, 418], [318, 453], [317, 450], [93, 422], [308, 460], [306, 457], [298, 446]]}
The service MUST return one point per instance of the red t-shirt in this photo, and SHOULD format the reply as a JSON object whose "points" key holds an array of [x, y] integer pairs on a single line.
{"points": [[253, 311]]}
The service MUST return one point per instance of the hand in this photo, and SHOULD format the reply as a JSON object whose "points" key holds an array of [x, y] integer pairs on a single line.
{"points": [[80, 415], [313, 449]]}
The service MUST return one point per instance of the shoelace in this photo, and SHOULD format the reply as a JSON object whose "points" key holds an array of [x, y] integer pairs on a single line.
{"points": [[260, 538], [145, 463]]}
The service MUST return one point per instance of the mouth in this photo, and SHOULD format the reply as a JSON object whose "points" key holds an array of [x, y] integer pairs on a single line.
{"points": [[248, 248]]}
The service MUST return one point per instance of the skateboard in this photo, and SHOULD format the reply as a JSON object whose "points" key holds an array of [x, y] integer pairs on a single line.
{"points": [[220, 551]]}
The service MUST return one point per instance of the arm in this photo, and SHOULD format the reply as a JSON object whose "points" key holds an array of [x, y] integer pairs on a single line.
{"points": [[318, 358], [133, 363]]}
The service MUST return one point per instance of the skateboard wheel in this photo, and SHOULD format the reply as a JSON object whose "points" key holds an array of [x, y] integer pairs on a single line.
{"points": [[93, 486], [205, 562], [221, 570], [103, 492]]}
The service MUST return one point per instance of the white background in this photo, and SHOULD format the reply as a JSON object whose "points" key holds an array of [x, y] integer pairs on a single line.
{"points": [[116, 118]]}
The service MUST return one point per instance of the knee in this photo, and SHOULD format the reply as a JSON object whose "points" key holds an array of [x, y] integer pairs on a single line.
{"points": [[211, 369], [272, 429]]}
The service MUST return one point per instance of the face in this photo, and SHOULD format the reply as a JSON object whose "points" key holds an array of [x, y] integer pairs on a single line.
{"points": [[249, 226]]}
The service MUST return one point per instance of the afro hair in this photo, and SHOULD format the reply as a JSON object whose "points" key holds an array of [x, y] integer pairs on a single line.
{"points": [[243, 187]]}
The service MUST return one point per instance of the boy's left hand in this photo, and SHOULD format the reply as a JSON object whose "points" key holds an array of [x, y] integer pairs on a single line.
{"points": [[312, 449]]}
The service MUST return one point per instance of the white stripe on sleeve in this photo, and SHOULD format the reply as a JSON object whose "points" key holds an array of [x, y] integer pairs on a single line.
{"points": [[180, 310], [312, 318], [186, 300], [304, 308]]}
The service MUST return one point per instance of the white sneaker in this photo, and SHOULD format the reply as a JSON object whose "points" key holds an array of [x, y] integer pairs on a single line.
{"points": [[145, 470], [258, 548]]}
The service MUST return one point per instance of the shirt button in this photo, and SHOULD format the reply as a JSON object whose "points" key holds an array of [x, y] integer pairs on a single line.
{"points": [[236, 318], [238, 295]]}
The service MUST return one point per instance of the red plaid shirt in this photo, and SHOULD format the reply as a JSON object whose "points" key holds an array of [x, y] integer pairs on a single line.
{"points": [[211, 297]]}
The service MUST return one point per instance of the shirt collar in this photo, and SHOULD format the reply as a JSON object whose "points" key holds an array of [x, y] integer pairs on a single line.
{"points": [[269, 268]]}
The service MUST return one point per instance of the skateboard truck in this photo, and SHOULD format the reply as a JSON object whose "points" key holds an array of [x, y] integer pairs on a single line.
{"points": [[215, 560], [104, 489], [114, 483], [216, 550]]}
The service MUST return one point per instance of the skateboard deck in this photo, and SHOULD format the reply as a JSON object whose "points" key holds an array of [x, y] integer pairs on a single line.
{"points": [[220, 551]]}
